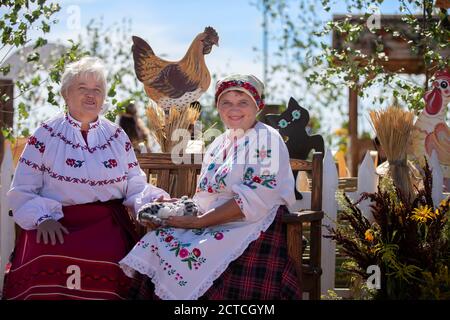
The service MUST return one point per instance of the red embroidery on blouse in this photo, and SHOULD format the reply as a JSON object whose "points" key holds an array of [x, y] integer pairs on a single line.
{"points": [[60, 177], [132, 164], [73, 123], [32, 164], [33, 141], [77, 145], [111, 163], [76, 125], [95, 125], [74, 163], [44, 217]]}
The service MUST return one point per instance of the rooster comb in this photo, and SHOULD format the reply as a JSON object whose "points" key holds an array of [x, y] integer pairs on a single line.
{"points": [[442, 74], [211, 32]]}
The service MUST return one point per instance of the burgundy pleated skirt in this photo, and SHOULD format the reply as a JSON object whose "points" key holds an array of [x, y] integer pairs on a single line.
{"points": [[85, 267]]}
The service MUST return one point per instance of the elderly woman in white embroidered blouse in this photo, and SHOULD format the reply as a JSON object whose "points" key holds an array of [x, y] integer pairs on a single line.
{"points": [[245, 182], [74, 178]]}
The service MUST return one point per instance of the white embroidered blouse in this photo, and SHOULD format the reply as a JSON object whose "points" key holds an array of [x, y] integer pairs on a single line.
{"points": [[253, 169], [57, 168]]}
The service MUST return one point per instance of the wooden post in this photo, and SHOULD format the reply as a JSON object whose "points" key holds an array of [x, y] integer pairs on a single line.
{"points": [[295, 250], [353, 129], [316, 226], [6, 110], [316, 201]]}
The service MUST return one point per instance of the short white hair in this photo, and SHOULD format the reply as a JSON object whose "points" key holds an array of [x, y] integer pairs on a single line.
{"points": [[81, 68]]}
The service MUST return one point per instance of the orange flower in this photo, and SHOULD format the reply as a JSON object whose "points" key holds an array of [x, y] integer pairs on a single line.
{"points": [[368, 235]]}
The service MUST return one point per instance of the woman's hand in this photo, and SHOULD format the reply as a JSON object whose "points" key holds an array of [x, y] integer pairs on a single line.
{"points": [[227, 212], [150, 225], [51, 228], [161, 199], [185, 222]]}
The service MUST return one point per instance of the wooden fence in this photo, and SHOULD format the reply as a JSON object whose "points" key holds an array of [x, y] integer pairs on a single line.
{"points": [[367, 181]]}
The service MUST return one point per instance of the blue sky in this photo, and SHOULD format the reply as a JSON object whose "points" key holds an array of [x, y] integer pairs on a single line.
{"points": [[170, 26]]}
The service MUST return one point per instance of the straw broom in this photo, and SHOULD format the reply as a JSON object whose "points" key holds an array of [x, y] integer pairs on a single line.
{"points": [[164, 125], [393, 127], [156, 122]]}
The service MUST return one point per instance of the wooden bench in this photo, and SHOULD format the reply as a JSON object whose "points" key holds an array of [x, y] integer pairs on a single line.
{"points": [[180, 179]]}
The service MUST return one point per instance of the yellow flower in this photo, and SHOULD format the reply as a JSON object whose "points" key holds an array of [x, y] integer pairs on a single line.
{"points": [[443, 203], [341, 132], [368, 235], [423, 214]]}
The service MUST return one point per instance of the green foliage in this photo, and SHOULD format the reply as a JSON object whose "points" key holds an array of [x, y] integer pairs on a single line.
{"points": [[436, 286], [331, 295], [303, 51], [40, 83], [413, 263], [119, 108], [7, 133], [20, 18]]}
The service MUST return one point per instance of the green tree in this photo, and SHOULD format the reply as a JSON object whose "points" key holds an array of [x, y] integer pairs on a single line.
{"points": [[304, 63], [20, 19], [37, 84], [306, 58]]}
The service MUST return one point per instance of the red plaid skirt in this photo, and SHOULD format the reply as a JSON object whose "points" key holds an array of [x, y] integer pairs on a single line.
{"points": [[100, 235], [263, 272]]}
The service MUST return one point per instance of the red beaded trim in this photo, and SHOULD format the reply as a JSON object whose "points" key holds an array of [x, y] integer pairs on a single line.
{"points": [[242, 84]]}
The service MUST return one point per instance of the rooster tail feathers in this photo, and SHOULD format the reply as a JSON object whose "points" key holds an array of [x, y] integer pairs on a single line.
{"points": [[141, 50]]}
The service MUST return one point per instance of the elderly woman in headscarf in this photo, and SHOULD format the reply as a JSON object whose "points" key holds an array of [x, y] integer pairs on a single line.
{"points": [[73, 182], [236, 247]]}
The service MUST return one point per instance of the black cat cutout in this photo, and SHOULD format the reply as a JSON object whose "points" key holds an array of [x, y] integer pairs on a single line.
{"points": [[291, 124]]}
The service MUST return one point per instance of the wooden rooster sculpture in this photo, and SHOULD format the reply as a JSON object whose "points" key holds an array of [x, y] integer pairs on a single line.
{"points": [[430, 131], [175, 84]]}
